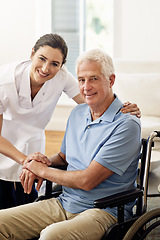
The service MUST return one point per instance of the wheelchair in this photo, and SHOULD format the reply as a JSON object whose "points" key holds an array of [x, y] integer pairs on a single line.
{"points": [[142, 221]]}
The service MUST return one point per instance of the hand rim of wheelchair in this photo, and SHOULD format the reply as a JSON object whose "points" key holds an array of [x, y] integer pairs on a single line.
{"points": [[137, 227]]}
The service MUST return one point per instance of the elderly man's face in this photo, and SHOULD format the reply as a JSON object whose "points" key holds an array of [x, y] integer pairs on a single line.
{"points": [[95, 88]]}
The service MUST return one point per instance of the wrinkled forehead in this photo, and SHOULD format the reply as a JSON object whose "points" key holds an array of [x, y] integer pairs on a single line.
{"points": [[89, 67], [87, 64]]}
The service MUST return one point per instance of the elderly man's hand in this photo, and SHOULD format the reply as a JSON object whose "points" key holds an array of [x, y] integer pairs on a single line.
{"points": [[37, 168], [27, 179], [131, 108]]}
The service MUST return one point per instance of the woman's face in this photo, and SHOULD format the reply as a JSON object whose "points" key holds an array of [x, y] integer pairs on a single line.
{"points": [[46, 62]]}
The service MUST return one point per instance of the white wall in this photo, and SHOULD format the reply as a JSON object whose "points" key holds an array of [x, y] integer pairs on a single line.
{"points": [[21, 24], [17, 27], [136, 29]]}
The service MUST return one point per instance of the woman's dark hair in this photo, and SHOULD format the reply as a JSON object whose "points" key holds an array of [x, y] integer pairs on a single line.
{"points": [[54, 41]]}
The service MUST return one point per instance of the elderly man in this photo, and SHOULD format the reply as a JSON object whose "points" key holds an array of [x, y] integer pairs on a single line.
{"points": [[101, 150]]}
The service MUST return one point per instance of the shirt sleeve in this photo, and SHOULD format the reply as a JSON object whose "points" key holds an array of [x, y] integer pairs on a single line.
{"points": [[1, 105], [71, 88], [122, 148], [1, 108]]}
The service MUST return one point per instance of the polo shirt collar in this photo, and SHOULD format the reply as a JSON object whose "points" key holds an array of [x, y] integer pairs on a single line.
{"points": [[109, 114]]}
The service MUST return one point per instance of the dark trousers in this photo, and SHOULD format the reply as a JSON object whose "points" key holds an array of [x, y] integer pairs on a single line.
{"points": [[12, 194]]}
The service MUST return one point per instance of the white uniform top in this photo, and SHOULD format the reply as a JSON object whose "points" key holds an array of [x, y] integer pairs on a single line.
{"points": [[25, 120]]}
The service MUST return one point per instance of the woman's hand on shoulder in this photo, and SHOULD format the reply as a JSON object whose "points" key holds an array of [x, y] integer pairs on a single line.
{"points": [[131, 108]]}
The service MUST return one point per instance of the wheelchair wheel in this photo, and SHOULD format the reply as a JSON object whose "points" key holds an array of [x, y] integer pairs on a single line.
{"points": [[146, 226]]}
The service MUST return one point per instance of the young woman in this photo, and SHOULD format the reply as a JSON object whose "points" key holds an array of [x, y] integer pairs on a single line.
{"points": [[29, 91]]}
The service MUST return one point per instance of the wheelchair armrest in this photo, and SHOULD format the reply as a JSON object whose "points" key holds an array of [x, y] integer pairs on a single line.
{"points": [[118, 199], [62, 167]]}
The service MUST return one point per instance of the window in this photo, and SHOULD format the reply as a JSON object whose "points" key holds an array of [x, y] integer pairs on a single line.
{"points": [[84, 24], [99, 25], [65, 22]]}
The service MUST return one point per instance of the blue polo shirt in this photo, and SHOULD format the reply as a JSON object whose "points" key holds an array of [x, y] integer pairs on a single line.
{"points": [[112, 140]]}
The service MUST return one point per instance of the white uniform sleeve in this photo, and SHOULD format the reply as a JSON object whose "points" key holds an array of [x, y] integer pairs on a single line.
{"points": [[1, 105], [71, 88], [1, 108]]}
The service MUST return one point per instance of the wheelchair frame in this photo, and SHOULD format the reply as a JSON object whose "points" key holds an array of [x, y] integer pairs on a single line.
{"points": [[136, 225], [134, 228]]}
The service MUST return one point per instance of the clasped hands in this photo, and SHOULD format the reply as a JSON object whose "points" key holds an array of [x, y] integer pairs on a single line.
{"points": [[32, 170]]}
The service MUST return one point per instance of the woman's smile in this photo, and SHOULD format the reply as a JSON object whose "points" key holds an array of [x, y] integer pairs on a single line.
{"points": [[42, 74], [46, 62]]}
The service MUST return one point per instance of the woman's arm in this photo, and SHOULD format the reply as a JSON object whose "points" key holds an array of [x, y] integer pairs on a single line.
{"points": [[56, 160], [78, 99]]}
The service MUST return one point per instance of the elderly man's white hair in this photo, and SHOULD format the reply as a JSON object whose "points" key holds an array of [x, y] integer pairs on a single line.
{"points": [[99, 56]]}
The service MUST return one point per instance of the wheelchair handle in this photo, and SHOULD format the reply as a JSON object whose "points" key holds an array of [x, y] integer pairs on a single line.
{"points": [[158, 133]]}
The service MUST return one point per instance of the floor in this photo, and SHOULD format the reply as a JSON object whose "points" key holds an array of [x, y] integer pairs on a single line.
{"points": [[53, 143]]}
